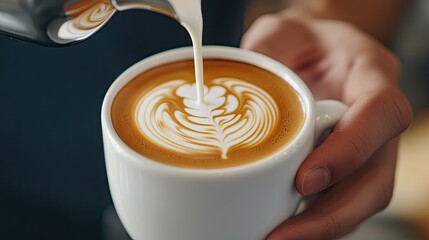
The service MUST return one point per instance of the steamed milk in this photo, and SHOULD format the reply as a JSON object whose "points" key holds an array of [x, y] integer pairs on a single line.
{"points": [[230, 115], [189, 12]]}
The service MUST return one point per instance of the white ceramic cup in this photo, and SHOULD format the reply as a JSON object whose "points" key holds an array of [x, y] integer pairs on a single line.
{"points": [[161, 202]]}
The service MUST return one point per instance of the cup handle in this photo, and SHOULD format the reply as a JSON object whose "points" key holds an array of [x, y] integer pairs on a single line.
{"points": [[328, 113]]}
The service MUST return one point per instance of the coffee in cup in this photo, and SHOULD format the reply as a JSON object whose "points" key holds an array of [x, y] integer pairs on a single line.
{"points": [[248, 114]]}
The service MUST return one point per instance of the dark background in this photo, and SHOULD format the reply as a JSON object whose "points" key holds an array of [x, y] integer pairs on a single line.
{"points": [[52, 176]]}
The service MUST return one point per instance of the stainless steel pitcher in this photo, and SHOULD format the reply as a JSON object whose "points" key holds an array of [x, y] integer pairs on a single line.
{"points": [[63, 22]]}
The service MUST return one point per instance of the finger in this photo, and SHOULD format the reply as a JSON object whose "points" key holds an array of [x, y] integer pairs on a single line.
{"points": [[287, 40], [348, 203], [309, 201], [373, 118]]}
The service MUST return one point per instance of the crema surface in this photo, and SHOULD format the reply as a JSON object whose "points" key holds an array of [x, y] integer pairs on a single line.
{"points": [[247, 115]]}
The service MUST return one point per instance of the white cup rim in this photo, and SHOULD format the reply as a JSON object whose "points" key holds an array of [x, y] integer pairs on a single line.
{"points": [[209, 52]]}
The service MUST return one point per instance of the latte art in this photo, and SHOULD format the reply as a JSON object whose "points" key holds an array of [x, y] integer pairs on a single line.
{"points": [[236, 115], [247, 115]]}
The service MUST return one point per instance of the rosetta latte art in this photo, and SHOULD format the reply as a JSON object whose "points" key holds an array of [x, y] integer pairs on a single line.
{"points": [[236, 115]]}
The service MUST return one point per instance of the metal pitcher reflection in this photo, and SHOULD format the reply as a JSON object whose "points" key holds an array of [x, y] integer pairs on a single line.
{"points": [[64, 22]]}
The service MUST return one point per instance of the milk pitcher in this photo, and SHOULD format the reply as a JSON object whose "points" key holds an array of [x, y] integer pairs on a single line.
{"points": [[64, 22]]}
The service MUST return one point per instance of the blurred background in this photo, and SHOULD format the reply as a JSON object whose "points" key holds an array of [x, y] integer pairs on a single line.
{"points": [[58, 189], [407, 217]]}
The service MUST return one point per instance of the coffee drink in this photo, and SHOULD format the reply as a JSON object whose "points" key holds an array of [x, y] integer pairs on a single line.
{"points": [[247, 115]]}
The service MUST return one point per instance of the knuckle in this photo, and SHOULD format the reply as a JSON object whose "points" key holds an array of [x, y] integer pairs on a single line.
{"points": [[356, 147], [359, 150], [401, 113], [374, 54], [266, 20], [276, 22], [393, 111], [263, 28], [333, 228]]}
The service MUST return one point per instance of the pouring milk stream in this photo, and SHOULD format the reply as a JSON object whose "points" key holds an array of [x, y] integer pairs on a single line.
{"points": [[190, 15]]}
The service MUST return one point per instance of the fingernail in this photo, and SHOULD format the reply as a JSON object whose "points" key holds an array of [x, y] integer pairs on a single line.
{"points": [[315, 180]]}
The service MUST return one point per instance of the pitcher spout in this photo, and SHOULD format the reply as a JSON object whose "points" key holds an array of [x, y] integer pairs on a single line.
{"points": [[64, 22], [86, 19]]}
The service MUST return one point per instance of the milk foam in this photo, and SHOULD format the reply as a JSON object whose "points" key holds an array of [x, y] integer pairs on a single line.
{"points": [[235, 115]]}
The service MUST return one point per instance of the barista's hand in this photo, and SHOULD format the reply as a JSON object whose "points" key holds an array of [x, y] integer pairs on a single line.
{"points": [[350, 176]]}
